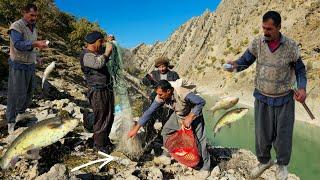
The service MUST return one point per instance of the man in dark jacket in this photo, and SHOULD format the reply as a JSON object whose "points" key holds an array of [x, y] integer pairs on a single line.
{"points": [[100, 94], [163, 72]]}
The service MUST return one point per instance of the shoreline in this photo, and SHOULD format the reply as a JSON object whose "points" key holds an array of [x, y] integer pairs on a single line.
{"points": [[246, 98]]}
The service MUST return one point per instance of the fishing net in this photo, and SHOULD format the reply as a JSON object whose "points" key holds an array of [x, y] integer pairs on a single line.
{"points": [[123, 115], [182, 147]]}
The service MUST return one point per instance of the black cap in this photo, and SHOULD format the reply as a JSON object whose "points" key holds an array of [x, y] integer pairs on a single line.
{"points": [[93, 37]]}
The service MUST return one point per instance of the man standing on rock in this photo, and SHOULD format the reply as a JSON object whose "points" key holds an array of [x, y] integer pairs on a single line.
{"points": [[187, 108], [278, 66], [100, 94], [23, 56]]}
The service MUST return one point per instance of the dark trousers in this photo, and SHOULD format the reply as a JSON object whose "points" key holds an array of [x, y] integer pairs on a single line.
{"points": [[274, 126], [21, 84], [198, 128], [102, 103]]}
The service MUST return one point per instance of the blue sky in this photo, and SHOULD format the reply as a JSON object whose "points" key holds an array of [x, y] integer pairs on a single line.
{"points": [[133, 22]]}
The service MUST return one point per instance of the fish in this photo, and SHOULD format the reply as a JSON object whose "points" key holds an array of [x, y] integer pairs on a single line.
{"points": [[225, 103], [47, 71], [229, 117], [39, 135]]}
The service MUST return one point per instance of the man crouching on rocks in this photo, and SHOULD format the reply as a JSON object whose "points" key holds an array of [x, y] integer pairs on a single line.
{"points": [[100, 94], [187, 107]]}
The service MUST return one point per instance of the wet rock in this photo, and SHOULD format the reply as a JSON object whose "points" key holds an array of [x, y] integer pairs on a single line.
{"points": [[58, 171]]}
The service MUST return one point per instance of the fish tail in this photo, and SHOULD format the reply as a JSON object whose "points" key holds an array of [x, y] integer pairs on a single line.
{"points": [[3, 165]]}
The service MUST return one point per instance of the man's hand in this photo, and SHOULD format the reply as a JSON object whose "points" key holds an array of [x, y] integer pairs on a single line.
{"points": [[40, 44], [40, 61], [233, 64], [108, 49], [134, 131], [300, 95], [110, 38], [186, 122]]}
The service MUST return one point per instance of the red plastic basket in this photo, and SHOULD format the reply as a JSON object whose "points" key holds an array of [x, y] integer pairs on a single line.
{"points": [[182, 147]]}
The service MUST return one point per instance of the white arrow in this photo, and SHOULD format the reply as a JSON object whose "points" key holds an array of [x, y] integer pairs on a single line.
{"points": [[105, 162]]}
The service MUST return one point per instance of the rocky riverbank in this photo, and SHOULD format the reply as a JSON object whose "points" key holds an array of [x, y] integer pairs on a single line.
{"points": [[75, 149]]}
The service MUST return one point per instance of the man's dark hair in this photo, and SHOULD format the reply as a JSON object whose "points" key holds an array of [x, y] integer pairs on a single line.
{"points": [[274, 15], [164, 85], [28, 8]]}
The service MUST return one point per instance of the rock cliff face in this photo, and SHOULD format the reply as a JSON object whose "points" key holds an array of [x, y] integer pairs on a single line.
{"points": [[200, 46]]}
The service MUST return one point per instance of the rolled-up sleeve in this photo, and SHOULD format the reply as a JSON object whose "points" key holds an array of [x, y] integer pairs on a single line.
{"points": [[245, 60], [18, 41], [197, 101]]}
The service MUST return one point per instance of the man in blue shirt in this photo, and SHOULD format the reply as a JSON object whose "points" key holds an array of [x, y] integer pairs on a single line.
{"points": [[23, 41], [278, 66]]}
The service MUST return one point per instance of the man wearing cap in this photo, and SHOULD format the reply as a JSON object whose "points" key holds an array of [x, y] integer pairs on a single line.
{"points": [[21, 81], [163, 72], [100, 93]]}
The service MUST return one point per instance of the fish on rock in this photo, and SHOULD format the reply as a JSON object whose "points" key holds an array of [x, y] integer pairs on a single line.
{"points": [[225, 103], [39, 135], [229, 117], [47, 71]]}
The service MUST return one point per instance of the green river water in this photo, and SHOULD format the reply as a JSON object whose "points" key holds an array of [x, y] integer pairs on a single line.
{"points": [[305, 158]]}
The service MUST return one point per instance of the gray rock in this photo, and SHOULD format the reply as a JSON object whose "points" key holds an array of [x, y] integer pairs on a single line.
{"points": [[231, 177], [215, 171], [155, 173], [231, 171], [33, 173], [132, 177], [58, 172], [42, 115], [162, 160]]}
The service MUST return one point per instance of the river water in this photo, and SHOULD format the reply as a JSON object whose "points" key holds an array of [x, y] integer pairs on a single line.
{"points": [[305, 158]]}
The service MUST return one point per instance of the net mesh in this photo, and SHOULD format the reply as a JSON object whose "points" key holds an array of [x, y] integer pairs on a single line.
{"points": [[132, 146]]}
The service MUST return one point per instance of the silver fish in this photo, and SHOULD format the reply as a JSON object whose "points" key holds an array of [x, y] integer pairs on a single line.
{"points": [[229, 117], [47, 71], [225, 103]]}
